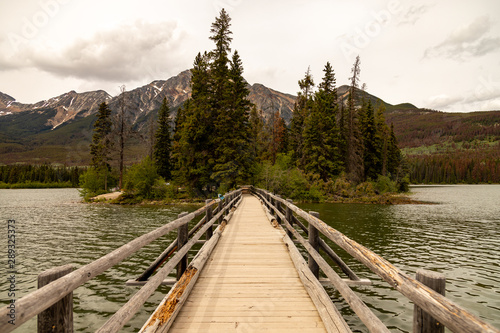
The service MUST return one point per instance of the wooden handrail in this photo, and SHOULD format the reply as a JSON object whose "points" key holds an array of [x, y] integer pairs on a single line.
{"points": [[126, 312], [444, 310], [39, 300], [364, 313]]}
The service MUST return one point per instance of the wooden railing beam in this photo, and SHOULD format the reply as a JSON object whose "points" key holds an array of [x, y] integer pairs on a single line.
{"points": [[445, 311]]}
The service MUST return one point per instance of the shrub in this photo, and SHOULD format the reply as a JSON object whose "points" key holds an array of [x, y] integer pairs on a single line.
{"points": [[404, 184], [384, 184], [143, 180], [92, 182]]}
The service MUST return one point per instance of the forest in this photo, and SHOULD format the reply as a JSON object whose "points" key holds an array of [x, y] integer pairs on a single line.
{"points": [[219, 140], [39, 176], [337, 146]]}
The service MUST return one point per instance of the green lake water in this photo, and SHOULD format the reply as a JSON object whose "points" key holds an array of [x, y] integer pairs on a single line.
{"points": [[459, 237]]}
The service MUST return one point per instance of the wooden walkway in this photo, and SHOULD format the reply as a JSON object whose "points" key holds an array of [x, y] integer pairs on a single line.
{"points": [[249, 283]]}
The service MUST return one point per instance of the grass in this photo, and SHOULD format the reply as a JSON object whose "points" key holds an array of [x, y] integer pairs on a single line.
{"points": [[35, 185]]}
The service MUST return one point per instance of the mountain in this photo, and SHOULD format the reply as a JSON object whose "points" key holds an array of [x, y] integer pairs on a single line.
{"points": [[141, 102], [53, 129], [59, 129]]}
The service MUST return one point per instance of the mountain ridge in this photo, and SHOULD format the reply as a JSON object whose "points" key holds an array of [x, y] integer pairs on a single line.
{"points": [[60, 129]]}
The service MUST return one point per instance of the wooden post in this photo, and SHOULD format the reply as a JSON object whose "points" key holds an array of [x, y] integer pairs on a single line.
{"points": [[289, 218], [210, 231], [314, 241], [423, 321], [278, 207], [59, 317], [182, 238]]}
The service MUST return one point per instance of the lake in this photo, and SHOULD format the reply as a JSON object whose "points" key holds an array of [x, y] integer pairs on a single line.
{"points": [[458, 237]]}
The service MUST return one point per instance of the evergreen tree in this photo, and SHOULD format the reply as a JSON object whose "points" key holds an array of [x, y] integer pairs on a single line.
{"points": [[101, 142], [193, 137], [303, 105], [282, 135], [393, 153], [233, 146], [321, 134], [162, 146], [212, 136], [257, 135], [383, 134], [371, 143], [354, 148]]}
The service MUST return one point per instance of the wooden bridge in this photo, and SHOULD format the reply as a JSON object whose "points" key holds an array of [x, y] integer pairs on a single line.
{"points": [[247, 277]]}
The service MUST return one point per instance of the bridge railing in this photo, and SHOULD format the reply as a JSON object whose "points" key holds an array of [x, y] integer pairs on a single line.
{"points": [[54, 293], [433, 309]]}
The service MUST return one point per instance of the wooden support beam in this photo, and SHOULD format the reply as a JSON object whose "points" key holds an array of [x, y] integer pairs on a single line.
{"points": [[182, 238], [327, 249], [327, 311], [364, 313], [338, 261], [289, 217], [424, 322], [208, 217], [349, 282], [59, 317], [314, 242]]}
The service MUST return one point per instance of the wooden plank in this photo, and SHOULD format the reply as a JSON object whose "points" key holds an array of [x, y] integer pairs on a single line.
{"points": [[242, 326], [249, 283], [282, 319]]}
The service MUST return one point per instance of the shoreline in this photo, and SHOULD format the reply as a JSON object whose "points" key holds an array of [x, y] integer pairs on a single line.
{"points": [[114, 198]]}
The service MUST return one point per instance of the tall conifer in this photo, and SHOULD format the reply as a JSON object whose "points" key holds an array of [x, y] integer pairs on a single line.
{"points": [[162, 146]]}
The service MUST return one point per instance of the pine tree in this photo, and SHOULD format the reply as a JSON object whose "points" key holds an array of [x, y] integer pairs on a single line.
{"points": [[302, 108], [233, 147], [354, 148], [393, 153], [321, 134], [371, 143], [194, 128], [162, 146], [383, 134], [101, 142], [257, 135]]}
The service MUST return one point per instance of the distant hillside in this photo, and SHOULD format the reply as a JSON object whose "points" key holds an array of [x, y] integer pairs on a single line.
{"points": [[59, 129], [419, 127]]}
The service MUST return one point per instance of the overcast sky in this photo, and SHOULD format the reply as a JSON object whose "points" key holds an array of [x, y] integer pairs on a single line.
{"points": [[439, 54]]}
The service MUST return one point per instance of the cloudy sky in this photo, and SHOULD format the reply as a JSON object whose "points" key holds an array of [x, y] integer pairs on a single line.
{"points": [[439, 54]]}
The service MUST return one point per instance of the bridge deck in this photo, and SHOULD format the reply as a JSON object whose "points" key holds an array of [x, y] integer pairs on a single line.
{"points": [[249, 283]]}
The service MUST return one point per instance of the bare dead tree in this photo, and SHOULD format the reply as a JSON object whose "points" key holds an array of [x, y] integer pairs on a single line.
{"points": [[354, 150]]}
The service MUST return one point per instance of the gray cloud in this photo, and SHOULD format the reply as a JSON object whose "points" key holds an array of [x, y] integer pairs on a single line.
{"points": [[126, 53], [466, 42], [412, 14]]}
